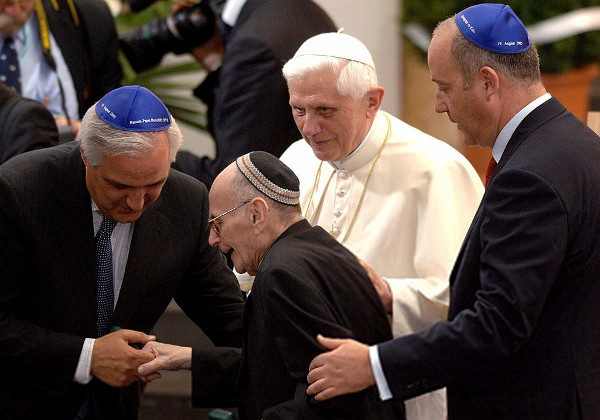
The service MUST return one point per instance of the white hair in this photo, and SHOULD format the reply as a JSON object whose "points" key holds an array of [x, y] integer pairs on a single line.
{"points": [[355, 79], [98, 139]]}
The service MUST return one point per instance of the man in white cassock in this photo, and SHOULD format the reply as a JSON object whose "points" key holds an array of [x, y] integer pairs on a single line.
{"points": [[399, 199]]}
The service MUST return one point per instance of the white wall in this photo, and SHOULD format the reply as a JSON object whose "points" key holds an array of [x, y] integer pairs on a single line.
{"points": [[375, 23]]}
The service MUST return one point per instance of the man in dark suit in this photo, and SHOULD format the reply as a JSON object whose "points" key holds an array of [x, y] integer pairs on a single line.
{"points": [[25, 125], [246, 94], [523, 336], [306, 282], [68, 53], [59, 360]]}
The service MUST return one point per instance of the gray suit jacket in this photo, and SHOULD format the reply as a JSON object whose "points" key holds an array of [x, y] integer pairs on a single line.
{"points": [[48, 290]]}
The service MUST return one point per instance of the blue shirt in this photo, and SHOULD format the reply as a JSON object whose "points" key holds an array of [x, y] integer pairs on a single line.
{"points": [[38, 80]]}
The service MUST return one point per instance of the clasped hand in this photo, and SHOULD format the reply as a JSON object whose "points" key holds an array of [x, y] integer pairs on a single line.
{"points": [[114, 362]]}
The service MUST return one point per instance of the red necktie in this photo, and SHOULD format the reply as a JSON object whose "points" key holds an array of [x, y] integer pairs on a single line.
{"points": [[490, 171]]}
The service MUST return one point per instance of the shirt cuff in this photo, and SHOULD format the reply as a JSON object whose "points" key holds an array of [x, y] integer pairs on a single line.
{"points": [[83, 373], [382, 385]]}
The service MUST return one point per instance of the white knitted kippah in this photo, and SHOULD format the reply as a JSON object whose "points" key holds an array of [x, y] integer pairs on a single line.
{"points": [[270, 176]]}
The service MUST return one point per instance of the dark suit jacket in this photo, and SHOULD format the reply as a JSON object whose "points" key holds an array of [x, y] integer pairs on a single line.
{"points": [[307, 284], [523, 340], [89, 46], [247, 98], [25, 125], [48, 287]]}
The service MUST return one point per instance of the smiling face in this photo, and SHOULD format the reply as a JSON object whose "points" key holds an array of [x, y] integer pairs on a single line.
{"points": [[332, 124], [465, 107], [123, 186]]}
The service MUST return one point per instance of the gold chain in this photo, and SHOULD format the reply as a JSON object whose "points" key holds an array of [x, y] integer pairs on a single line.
{"points": [[362, 195]]}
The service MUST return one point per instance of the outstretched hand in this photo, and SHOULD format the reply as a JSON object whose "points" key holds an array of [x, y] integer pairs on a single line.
{"points": [[345, 369], [167, 357], [114, 362]]}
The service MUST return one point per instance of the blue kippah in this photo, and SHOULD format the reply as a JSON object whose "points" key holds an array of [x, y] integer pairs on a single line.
{"points": [[133, 108], [493, 27]]}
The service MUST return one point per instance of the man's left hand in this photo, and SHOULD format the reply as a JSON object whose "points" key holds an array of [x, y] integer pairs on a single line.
{"points": [[381, 286], [345, 369]]}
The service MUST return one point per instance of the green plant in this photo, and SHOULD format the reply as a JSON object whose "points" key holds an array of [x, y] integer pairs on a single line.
{"points": [[171, 80], [560, 56]]}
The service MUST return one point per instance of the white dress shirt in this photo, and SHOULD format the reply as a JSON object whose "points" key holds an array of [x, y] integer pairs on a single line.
{"points": [[120, 242]]}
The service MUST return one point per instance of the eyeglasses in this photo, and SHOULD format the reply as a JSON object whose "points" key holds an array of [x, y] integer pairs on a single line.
{"points": [[214, 226]]}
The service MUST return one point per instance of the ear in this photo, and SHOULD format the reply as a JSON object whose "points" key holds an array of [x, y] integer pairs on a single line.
{"points": [[491, 81], [374, 98], [259, 214], [86, 162]]}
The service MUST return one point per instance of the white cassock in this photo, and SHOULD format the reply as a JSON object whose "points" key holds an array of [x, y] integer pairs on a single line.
{"points": [[403, 208]]}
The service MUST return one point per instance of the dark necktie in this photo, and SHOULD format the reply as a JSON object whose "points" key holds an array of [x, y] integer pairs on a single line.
{"points": [[9, 65], [104, 276], [490, 171]]}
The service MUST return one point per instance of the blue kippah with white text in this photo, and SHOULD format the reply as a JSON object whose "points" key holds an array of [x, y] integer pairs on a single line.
{"points": [[493, 27], [133, 108]]}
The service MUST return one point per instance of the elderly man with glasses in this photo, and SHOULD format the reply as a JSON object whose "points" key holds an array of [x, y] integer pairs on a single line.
{"points": [[306, 283]]}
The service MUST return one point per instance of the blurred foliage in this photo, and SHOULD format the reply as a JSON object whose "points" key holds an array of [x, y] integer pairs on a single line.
{"points": [[561, 56], [167, 80]]}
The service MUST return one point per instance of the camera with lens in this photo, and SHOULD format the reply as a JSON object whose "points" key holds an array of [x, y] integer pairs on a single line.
{"points": [[145, 46]]}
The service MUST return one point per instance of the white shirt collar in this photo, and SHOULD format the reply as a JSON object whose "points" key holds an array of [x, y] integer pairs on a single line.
{"points": [[509, 129], [231, 11]]}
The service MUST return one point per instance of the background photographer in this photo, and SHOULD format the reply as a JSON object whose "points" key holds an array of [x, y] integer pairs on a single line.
{"points": [[244, 90]]}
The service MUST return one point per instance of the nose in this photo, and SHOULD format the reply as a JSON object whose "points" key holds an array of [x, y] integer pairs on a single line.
{"points": [[440, 105], [135, 199], [213, 238], [311, 125]]}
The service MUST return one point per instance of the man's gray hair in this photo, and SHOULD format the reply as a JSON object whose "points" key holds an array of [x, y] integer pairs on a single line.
{"points": [[354, 79], [98, 139], [521, 67]]}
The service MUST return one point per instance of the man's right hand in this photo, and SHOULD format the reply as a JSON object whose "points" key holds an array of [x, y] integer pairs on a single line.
{"points": [[114, 362]]}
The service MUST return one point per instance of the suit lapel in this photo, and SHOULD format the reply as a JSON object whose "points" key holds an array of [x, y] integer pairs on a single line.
{"points": [[539, 116], [76, 232], [144, 255], [247, 9], [245, 322]]}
